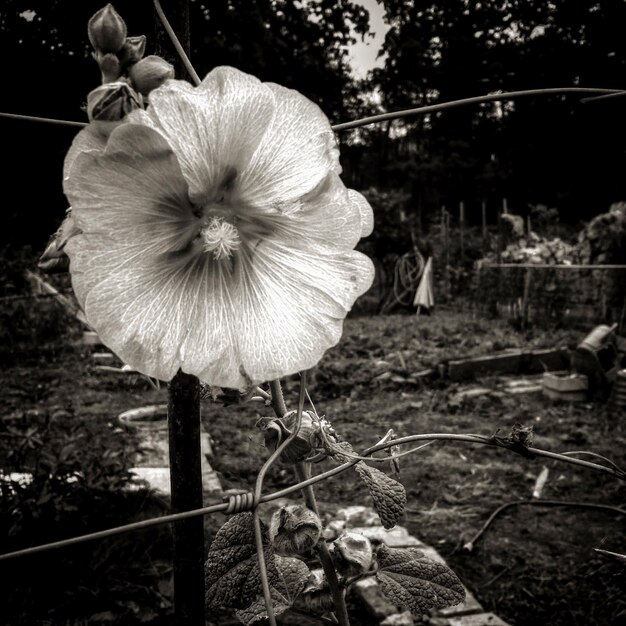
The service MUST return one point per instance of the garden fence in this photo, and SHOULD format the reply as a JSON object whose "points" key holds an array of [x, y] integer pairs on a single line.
{"points": [[552, 295]]}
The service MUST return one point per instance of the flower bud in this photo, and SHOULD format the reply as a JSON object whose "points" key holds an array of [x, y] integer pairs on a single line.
{"points": [[109, 66], [106, 30], [294, 529], [150, 73], [112, 101], [133, 50], [316, 597], [352, 553]]}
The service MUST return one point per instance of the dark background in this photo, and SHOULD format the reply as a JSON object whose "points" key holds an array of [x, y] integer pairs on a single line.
{"points": [[542, 150]]}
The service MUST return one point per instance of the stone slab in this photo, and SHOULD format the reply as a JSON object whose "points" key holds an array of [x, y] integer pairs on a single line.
{"points": [[480, 619], [397, 537]]}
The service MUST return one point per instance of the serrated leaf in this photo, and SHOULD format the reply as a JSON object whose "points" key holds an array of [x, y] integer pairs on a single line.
{"points": [[293, 576], [389, 495], [412, 580], [232, 574]]}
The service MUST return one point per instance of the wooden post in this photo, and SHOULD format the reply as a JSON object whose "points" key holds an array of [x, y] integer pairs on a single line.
{"points": [[445, 222], [505, 206], [184, 415], [186, 482], [462, 227], [526, 298], [483, 214]]}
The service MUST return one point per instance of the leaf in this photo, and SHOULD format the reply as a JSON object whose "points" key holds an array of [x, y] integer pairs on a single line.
{"points": [[293, 576], [389, 495], [412, 580], [232, 574]]}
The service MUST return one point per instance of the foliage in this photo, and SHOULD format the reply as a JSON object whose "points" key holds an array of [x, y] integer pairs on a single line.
{"points": [[64, 476], [533, 150], [299, 45]]}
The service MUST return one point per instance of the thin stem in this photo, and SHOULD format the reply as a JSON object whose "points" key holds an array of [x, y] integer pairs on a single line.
{"points": [[258, 534], [507, 95], [302, 472], [278, 400], [179, 49]]}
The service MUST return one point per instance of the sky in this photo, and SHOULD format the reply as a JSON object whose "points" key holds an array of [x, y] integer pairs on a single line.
{"points": [[363, 54]]}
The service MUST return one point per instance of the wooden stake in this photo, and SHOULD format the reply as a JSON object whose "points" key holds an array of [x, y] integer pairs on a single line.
{"points": [[184, 413], [483, 214], [462, 227], [505, 206], [526, 298]]}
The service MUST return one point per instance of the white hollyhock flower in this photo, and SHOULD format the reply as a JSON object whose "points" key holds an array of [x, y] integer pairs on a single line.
{"points": [[216, 234]]}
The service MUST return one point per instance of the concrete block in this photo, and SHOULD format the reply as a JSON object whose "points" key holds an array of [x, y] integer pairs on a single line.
{"points": [[480, 619], [397, 537]]}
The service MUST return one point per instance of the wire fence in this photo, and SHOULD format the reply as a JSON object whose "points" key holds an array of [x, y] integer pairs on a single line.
{"points": [[552, 295]]}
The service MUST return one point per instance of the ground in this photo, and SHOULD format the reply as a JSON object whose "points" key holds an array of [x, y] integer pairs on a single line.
{"points": [[533, 565]]}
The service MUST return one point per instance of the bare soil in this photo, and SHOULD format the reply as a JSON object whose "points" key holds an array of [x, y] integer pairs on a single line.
{"points": [[535, 565]]}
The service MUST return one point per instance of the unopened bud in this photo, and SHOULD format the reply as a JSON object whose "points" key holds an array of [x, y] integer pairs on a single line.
{"points": [[106, 30], [150, 73], [54, 258], [111, 102], [316, 597], [133, 50], [294, 529], [109, 66], [352, 554]]}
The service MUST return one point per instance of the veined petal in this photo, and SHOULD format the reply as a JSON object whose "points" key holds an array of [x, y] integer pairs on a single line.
{"points": [[294, 307], [367, 215], [330, 216], [285, 309], [132, 192], [297, 151], [92, 138], [214, 128], [142, 309]]}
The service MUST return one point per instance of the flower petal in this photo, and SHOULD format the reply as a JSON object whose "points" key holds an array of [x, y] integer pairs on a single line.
{"points": [[298, 150], [143, 309], [133, 192], [92, 138], [213, 128], [285, 309], [330, 216], [367, 215]]}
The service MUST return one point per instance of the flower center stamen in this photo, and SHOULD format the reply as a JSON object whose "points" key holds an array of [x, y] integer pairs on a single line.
{"points": [[220, 237]]}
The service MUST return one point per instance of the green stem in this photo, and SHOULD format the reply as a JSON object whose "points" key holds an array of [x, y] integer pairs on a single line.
{"points": [[278, 401], [302, 472]]}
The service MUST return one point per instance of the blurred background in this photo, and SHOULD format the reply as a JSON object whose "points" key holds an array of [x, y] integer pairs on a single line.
{"points": [[356, 59]]}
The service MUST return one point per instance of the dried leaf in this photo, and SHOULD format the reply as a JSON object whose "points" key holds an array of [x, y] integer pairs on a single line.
{"points": [[232, 575], [389, 495], [412, 580]]}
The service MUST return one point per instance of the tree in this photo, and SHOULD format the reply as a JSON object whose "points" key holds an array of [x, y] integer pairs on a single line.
{"points": [[536, 150], [48, 72]]}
